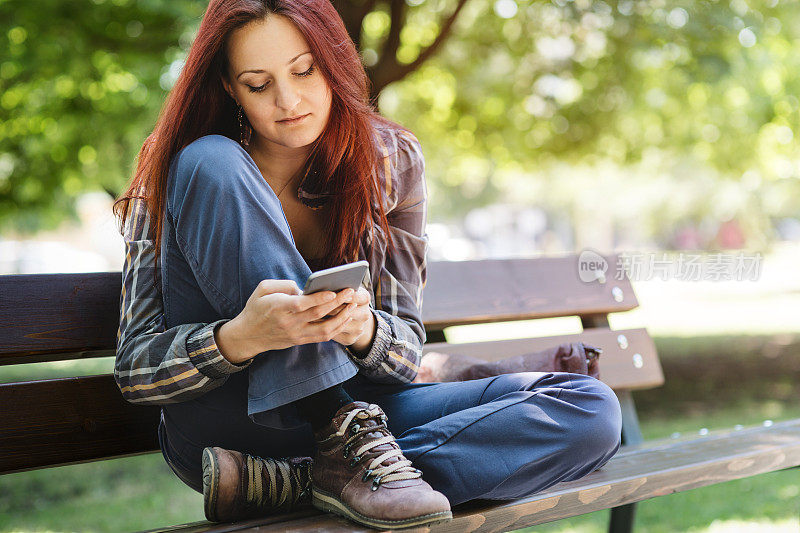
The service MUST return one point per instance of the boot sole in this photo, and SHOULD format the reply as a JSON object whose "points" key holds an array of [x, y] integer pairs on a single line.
{"points": [[329, 503], [210, 483]]}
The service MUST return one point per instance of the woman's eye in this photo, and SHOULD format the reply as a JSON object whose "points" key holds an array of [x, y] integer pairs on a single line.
{"points": [[257, 89], [308, 72]]}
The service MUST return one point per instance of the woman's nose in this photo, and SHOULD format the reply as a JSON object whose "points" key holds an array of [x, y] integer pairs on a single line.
{"points": [[287, 96]]}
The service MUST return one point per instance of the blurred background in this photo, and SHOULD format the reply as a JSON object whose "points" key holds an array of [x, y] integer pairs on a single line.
{"points": [[655, 127]]}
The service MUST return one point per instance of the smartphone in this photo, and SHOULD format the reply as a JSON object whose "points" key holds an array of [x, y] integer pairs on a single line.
{"points": [[337, 278]]}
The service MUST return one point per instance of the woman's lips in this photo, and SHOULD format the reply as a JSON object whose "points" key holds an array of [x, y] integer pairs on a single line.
{"points": [[295, 121]]}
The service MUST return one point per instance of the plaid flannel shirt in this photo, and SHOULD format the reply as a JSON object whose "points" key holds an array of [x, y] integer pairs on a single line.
{"points": [[155, 365]]}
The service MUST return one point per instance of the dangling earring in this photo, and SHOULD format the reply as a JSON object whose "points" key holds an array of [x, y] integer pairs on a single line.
{"points": [[244, 130]]}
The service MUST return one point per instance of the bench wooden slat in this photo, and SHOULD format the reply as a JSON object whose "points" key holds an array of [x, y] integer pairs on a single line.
{"points": [[618, 366], [71, 420], [494, 290], [53, 317], [57, 314], [631, 475]]}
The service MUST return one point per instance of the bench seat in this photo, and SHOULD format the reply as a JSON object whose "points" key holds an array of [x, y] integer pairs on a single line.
{"points": [[635, 473]]}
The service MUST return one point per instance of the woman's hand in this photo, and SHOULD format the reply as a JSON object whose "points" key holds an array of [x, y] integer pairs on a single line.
{"points": [[278, 316], [358, 332]]}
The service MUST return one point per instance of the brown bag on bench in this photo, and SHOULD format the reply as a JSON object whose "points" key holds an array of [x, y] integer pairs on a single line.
{"points": [[576, 357]]}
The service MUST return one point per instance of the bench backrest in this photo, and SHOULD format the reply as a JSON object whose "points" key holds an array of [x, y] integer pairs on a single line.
{"points": [[55, 317]]}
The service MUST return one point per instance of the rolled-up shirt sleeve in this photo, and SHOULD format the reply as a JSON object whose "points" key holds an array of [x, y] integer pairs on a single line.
{"points": [[155, 365], [396, 350]]}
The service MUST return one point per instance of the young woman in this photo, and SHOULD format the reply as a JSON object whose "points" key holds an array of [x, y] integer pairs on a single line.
{"points": [[234, 202]]}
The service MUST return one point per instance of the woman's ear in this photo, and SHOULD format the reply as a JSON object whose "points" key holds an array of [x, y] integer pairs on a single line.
{"points": [[227, 87]]}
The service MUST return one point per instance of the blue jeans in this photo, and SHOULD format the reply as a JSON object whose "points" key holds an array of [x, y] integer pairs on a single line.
{"points": [[495, 438]]}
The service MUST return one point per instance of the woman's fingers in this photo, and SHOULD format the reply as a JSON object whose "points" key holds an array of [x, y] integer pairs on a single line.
{"points": [[330, 327], [319, 311], [362, 296], [308, 301], [335, 311]]}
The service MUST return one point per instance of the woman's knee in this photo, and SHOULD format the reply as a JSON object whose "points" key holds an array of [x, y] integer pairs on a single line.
{"points": [[215, 157], [213, 171], [600, 426], [593, 416], [210, 149]]}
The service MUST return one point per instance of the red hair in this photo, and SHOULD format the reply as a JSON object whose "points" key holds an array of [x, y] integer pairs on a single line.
{"points": [[344, 157]]}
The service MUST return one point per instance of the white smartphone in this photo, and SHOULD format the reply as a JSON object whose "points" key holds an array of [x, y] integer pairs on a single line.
{"points": [[349, 275]]}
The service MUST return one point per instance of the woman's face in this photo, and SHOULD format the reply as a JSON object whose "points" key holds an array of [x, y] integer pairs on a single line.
{"points": [[274, 76]]}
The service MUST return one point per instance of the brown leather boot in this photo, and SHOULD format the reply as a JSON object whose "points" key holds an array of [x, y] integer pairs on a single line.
{"points": [[238, 486], [360, 473]]}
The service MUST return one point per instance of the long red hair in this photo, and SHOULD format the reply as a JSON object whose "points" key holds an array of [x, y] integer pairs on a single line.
{"points": [[344, 157]]}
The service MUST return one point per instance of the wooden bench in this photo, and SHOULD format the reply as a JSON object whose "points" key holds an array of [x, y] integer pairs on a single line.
{"points": [[54, 317]]}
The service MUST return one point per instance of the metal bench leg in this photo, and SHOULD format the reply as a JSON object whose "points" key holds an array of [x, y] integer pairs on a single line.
{"points": [[622, 517]]}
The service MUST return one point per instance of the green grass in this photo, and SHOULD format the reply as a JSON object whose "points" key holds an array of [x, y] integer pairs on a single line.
{"points": [[127, 494], [56, 369]]}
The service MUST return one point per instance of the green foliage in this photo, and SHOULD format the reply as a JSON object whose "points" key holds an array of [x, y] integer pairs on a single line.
{"points": [[674, 87], [81, 83], [690, 97]]}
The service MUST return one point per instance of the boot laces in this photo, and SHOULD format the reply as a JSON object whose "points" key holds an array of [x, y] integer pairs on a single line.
{"points": [[396, 471], [293, 487]]}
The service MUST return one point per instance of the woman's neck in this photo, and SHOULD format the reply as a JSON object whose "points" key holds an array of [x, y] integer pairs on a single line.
{"points": [[279, 165]]}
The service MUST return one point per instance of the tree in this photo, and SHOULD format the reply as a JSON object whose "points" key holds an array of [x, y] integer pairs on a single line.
{"points": [[81, 84], [700, 92], [384, 33], [495, 90]]}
